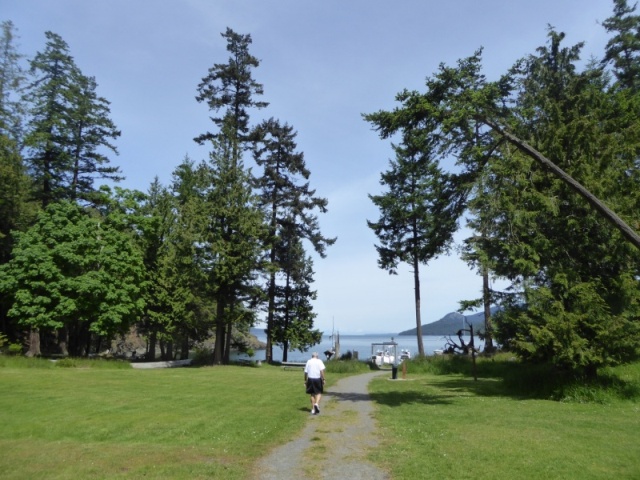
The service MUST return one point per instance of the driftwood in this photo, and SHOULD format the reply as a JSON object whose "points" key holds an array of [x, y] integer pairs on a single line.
{"points": [[451, 346], [465, 348]]}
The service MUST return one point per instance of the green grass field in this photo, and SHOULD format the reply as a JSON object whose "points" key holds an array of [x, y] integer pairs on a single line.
{"points": [[70, 423], [215, 422], [452, 427]]}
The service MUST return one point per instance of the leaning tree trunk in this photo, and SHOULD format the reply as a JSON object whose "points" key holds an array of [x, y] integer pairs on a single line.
{"points": [[606, 212]]}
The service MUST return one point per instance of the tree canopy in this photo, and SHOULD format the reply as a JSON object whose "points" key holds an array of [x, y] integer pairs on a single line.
{"points": [[545, 159], [187, 265]]}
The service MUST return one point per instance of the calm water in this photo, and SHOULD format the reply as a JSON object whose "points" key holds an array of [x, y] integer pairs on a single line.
{"points": [[362, 345]]}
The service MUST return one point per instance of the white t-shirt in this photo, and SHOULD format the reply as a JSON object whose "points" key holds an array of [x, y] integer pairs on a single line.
{"points": [[313, 368]]}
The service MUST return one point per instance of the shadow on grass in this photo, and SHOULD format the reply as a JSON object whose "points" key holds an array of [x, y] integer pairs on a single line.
{"points": [[397, 398]]}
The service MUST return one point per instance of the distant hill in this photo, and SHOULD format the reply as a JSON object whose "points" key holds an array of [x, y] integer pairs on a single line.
{"points": [[451, 323]]}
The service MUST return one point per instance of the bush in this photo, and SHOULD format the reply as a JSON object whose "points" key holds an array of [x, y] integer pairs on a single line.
{"points": [[15, 349], [202, 356]]}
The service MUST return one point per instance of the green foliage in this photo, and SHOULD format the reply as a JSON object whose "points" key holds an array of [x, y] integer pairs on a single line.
{"points": [[288, 202], [16, 211], [231, 87], [201, 357], [66, 363], [69, 127], [542, 156], [74, 270]]}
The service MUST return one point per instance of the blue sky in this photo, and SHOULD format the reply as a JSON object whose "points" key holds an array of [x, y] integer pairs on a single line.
{"points": [[323, 64]]}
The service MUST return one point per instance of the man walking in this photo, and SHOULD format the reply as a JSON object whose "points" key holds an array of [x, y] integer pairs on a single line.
{"points": [[314, 381]]}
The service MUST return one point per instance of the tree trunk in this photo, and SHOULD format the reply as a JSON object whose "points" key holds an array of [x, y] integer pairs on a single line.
{"points": [[153, 340], [227, 344], [220, 331], [416, 281], [272, 295], [63, 340], [162, 350], [34, 343], [486, 298], [184, 349]]}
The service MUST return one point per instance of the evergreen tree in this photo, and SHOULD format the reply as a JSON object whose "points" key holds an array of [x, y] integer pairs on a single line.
{"points": [[12, 79], [69, 127], [48, 135], [623, 49], [233, 241], [230, 87], [417, 214], [293, 313], [91, 130], [16, 214], [285, 195]]}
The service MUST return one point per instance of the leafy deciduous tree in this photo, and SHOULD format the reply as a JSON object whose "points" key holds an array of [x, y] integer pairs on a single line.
{"points": [[74, 272]]}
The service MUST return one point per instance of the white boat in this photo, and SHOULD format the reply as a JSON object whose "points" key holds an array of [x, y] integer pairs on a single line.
{"points": [[382, 358], [405, 355]]}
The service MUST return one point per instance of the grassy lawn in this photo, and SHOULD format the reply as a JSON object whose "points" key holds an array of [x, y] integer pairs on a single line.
{"points": [[215, 422], [452, 427]]}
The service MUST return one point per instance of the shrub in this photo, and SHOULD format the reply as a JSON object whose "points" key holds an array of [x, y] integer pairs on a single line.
{"points": [[202, 356]]}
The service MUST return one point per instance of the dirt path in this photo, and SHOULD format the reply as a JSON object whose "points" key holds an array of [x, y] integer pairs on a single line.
{"points": [[334, 444]]}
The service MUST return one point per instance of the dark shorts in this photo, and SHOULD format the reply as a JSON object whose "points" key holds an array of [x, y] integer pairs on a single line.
{"points": [[314, 386]]}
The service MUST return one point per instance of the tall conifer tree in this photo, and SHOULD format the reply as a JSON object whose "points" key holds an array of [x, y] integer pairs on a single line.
{"points": [[289, 205]]}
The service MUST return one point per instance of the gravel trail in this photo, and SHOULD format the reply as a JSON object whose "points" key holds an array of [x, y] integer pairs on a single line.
{"points": [[334, 444]]}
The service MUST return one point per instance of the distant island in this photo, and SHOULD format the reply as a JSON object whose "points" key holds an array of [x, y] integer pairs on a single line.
{"points": [[451, 323]]}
